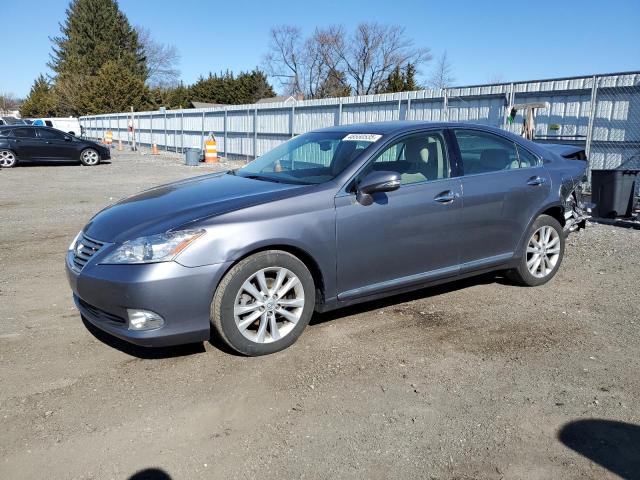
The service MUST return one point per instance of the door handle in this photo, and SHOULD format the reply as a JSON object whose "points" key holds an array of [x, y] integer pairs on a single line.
{"points": [[48, 143], [535, 181], [446, 197]]}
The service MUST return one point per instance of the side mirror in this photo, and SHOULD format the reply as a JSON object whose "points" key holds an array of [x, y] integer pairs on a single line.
{"points": [[376, 182], [67, 138], [379, 182]]}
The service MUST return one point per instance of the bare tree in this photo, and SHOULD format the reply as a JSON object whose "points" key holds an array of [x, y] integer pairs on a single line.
{"points": [[361, 61], [8, 102], [372, 52], [442, 76], [162, 60], [299, 65]]}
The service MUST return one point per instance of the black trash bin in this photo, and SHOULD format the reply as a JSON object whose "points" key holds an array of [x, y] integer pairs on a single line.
{"points": [[613, 191]]}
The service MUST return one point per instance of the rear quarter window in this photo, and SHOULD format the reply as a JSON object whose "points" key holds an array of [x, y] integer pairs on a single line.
{"points": [[527, 159]]}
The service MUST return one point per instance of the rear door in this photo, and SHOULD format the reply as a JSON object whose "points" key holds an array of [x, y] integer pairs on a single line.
{"points": [[503, 186], [55, 145], [24, 143]]}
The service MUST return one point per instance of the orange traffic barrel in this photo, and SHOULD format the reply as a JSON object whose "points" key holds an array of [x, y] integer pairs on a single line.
{"points": [[210, 151]]}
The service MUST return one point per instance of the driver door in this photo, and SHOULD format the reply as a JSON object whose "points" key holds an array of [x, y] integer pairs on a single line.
{"points": [[404, 237]]}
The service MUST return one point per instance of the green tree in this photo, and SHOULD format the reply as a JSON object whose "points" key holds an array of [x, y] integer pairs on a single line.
{"points": [[226, 88], [98, 61], [252, 86], [401, 80], [41, 101], [410, 78], [94, 32], [113, 89]]}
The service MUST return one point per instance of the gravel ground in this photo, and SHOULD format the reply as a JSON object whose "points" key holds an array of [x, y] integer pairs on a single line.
{"points": [[479, 379]]}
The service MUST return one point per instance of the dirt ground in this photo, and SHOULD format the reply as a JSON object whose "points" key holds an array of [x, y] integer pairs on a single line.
{"points": [[479, 379]]}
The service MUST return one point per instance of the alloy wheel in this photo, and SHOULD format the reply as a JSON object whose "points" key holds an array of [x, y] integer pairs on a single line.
{"points": [[7, 158], [269, 305], [543, 251], [90, 157]]}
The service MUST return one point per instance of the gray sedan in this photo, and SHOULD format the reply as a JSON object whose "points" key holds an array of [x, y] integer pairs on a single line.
{"points": [[330, 218]]}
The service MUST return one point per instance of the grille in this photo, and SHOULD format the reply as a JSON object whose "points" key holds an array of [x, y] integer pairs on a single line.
{"points": [[85, 249], [101, 314]]}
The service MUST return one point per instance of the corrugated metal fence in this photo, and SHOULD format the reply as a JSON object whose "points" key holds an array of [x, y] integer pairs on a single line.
{"points": [[601, 112]]}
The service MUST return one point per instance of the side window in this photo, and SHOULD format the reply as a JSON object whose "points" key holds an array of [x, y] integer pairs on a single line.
{"points": [[24, 133], [527, 159], [5, 132], [484, 152], [417, 158], [48, 123], [50, 134]]}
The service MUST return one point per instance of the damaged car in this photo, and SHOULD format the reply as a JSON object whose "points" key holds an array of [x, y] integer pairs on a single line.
{"points": [[327, 219]]}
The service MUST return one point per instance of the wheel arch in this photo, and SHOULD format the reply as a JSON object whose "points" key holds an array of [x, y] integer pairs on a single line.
{"points": [[301, 254], [554, 210]]}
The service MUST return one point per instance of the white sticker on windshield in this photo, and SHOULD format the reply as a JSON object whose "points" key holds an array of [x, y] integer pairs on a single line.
{"points": [[362, 137]]}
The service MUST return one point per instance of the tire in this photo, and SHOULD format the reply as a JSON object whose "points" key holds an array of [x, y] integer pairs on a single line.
{"points": [[245, 323], [89, 157], [530, 272], [8, 159]]}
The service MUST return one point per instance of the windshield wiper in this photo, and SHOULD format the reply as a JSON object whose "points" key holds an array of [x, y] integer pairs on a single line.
{"points": [[262, 177]]}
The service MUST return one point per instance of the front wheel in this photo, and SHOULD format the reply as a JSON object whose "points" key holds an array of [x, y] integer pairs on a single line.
{"points": [[263, 303], [542, 254], [89, 157]]}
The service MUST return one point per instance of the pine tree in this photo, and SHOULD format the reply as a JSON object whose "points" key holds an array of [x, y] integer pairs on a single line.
{"points": [[226, 88], [395, 81], [113, 89], [98, 61], [252, 86], [41, 101], [401, 80], [410, 78], [94, 32]]}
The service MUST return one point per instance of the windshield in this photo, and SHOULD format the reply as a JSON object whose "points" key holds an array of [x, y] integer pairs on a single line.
{"points": [[309, 158]]}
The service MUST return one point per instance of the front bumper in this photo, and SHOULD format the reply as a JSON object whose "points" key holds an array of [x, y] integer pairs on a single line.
{"points": [[180, 295]]}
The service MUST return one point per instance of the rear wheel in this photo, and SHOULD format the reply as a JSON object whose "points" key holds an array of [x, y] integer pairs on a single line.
{"points": [[8, 159], [542, 254], [89, 157], [263, 303]]}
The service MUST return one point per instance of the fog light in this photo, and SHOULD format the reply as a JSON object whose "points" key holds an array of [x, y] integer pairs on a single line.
{"points": [[144, 320]]}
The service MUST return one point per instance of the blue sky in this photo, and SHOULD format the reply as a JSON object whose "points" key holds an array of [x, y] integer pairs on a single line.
{"points": [[484, 39]]}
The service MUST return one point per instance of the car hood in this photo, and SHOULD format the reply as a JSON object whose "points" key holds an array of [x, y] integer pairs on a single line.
{"points": [[178, 204]]}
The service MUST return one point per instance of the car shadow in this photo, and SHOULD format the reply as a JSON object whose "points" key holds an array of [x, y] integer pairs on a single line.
{"points": [[150, 474], [147, 353], [427, 292], [611, 444], [56, 163]]}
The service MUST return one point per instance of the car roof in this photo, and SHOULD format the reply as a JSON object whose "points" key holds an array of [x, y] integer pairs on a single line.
{"points": [[403, 126]]}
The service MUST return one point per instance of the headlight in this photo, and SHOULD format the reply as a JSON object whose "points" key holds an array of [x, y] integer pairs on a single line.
{"points": [[72, 246], [155, 248]]}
